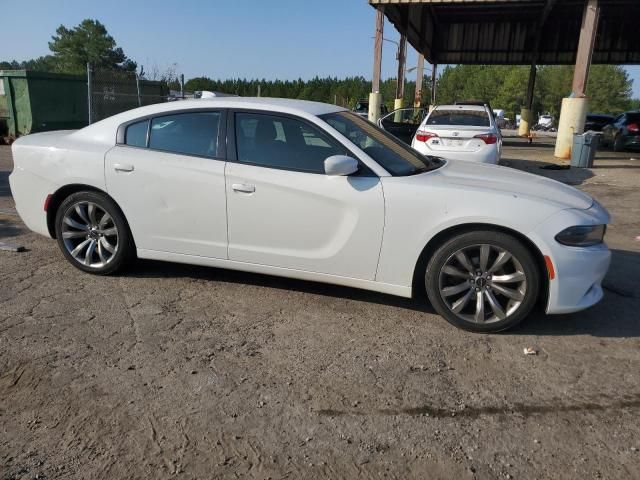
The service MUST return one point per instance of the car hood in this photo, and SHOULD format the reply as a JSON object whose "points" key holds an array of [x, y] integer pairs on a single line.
{"points": [[472, 176]]}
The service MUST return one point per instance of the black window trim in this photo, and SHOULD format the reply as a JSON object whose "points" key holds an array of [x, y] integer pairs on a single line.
{"points": [[221, 152], [231, 147]]}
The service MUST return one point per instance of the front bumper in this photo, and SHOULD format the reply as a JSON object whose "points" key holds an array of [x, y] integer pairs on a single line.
{"points": [[579, 271]]}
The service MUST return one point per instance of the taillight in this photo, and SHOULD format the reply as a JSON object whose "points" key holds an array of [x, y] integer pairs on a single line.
{"points": [[47, 201], [633, 127], [423, 136], [488, 138]]}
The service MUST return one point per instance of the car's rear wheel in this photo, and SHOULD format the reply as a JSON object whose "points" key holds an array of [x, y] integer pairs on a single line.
{"points": [[93, 233], [483, 281], [617, 143]]}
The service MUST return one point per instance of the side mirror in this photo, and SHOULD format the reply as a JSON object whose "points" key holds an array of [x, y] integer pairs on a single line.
{"points": [[340, 165]]}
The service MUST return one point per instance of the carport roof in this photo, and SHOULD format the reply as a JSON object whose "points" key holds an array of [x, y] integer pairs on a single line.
{"points": [[504, 31]]}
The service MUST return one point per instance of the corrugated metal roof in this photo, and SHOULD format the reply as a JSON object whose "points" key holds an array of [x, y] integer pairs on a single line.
{"points": [[504, 31]]}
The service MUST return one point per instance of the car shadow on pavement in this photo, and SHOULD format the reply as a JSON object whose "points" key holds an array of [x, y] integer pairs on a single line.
{"points": [[8, 228], [156, 269], [5, 191], [615, 316], [570, 176]]}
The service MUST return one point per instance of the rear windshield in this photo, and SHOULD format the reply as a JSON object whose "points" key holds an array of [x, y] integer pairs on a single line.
{"points": [[633, 117], [362, 107], [469, 118]]}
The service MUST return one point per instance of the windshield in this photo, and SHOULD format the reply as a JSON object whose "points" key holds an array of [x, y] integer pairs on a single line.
{"points": [[468, 118], [394, 156]]}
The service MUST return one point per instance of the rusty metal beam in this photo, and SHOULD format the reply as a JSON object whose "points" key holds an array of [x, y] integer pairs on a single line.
{"points": [[402, 62], [585, 47]]}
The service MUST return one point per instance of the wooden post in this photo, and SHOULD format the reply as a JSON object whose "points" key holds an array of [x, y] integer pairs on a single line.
{"points": [[377, 50], [402, 61], [417, 101], [585, 47]]}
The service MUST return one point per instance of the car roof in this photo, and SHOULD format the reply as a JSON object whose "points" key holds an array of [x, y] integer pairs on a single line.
{"points": [[104, 130], [473, 108]]}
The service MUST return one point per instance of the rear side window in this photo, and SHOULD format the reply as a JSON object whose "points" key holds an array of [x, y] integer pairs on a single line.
{"points": [[468, 118], [186, 133], [136, 134]]}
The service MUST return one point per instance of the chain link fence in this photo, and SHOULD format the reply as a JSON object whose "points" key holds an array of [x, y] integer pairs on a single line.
{"points": [[111, 91]]}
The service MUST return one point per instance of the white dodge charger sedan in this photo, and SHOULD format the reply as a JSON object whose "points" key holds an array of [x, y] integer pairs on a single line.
{"points": [[311, 191], [460, 132]]}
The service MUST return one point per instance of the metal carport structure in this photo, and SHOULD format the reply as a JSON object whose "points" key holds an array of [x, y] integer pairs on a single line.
{"points": [[520, 32]]}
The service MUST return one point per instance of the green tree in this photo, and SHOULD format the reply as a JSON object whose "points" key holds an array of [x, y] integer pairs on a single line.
{"points": [[88, 42]]}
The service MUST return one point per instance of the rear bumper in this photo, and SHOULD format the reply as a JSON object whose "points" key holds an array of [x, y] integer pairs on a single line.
{"points": [[631, 141], [29, 192], [488, 154]]}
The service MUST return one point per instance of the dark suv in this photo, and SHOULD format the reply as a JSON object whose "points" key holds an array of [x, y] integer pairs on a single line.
{"points": [[623, 132]]}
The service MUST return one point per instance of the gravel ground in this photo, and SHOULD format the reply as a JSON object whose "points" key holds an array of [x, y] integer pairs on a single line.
{"points": [[171, 370]]}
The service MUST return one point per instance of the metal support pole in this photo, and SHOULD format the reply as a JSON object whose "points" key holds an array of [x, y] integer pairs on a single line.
{"points": [[182, 85], [402, 61], [377, 50], [531, 85], [434, 78], [375, 98], [138, 89], [585, 47], [89, 92], [417, 101]]}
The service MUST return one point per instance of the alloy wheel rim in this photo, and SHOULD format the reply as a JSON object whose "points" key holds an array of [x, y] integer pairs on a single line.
{"points": [[90, 234], [482, 283]]}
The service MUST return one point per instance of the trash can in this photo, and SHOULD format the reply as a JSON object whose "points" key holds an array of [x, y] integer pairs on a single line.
{"points": [[584, 149]]}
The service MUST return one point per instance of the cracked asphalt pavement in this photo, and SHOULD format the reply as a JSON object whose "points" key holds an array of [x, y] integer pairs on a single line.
{"points": [[177, 371]]}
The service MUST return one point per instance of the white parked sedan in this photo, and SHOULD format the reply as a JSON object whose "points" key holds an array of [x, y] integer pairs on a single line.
{"points": [[311, 191], [460, 132]]}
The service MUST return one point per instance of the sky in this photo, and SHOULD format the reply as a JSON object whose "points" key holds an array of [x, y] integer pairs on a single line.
{"points": [[285, 39]]}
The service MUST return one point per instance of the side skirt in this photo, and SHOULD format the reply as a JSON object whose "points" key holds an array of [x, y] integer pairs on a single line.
{"points": [[398, 290]]}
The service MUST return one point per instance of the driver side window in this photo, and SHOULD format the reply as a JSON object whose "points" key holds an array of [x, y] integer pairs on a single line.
{"points": [[282, 142]]}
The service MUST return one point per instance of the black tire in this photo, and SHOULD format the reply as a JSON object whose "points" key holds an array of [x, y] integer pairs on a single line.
{"points": [[122, 248], [509, 312], [617, 144]]}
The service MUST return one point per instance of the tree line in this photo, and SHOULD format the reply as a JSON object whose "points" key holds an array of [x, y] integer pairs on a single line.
{"points": [[609, 87]]}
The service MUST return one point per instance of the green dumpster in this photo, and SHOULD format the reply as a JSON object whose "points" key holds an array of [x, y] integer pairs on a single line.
{"points": [[38, 101]]}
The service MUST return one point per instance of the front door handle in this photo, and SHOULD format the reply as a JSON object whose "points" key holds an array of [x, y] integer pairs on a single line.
{"points": [[243, 187], [119, 167]]}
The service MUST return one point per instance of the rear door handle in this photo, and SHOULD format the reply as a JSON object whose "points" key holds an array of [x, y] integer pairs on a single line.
{"points": [[119, 167], [243, 187]]}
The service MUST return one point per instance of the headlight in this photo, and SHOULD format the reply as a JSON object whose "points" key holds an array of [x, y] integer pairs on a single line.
{"points": [[582, 235]]}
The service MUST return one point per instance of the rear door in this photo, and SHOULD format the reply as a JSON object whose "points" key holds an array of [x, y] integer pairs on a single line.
{"points": [[167, 175], [403, 123], [285, 212]]}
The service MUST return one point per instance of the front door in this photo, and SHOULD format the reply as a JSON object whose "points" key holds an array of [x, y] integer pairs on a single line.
{"points": [[168, 178], [284, 211]]}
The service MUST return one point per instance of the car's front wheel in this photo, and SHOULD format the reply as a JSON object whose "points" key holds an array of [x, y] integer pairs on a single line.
{"points": [[483, 281], [93, 233]]}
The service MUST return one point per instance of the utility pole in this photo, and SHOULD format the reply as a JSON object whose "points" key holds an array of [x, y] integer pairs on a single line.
{"points": [[375, 98], [89, 93], [434, 78], [417, 101]]}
